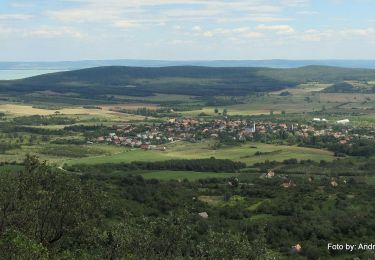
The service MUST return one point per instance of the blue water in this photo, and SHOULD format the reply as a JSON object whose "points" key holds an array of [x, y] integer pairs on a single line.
{"points": [[20, 74]]}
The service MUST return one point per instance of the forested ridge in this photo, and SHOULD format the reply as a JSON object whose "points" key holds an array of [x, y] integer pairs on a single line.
{"points": [[188, 80]]}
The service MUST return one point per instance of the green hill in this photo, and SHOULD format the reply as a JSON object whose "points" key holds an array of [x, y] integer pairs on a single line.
{"points": [[188, 80]]}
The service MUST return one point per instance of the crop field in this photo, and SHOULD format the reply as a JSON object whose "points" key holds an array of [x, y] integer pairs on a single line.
{"points": [[181, 150], [345, 97], [304, 89], [160, 98], [28, 110]]}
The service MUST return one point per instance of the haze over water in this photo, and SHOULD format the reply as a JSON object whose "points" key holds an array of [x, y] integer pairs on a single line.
{"points": [[19, 74]]}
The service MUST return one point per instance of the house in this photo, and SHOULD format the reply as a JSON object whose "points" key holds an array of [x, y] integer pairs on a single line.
{"points": [[343, 141], [333, 184], [296, 249], [203, 215], [270, 174], [343, 122], [287, 184]]}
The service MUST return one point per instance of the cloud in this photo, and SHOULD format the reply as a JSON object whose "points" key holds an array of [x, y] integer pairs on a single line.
{"points": [[6, 30], [15, 16], [124, 24], [179, 42], [151, 12], [314, 35], [81, 15], [306, 12], [365, 32], [280, 29], [295, 3], [48, 32], [196, 29], [239, 32], [22, 4]]}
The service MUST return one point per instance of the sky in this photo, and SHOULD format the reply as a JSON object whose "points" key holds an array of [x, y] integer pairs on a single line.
{"points": [[52, 30]]}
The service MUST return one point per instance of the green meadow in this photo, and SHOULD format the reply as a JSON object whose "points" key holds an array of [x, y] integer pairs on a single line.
{"points": [[182, 150]]}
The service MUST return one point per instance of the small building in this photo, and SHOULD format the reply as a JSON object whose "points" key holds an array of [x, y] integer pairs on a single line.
{"points": [[296, 249], [270, 174], [343, 142], [343, 122], [333, 184], [287, 184], [100, 139], [203, 215]]}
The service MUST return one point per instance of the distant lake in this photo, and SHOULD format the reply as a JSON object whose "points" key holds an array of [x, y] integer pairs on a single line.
{"points": [[20, 74]]}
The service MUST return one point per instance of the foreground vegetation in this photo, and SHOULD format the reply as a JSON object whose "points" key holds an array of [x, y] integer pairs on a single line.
{"points": [[47, 213]]}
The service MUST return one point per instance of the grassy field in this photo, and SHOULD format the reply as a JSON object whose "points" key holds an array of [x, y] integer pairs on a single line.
{"points": [[10, 168], [28, 110], [263, 105], [183, 150]]}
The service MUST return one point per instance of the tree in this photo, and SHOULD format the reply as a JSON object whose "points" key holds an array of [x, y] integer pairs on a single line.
{"points": [[216, 110], [48, 208], [225, 111]]}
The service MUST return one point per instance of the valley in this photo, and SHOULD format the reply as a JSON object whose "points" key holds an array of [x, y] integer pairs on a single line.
{"points": [[275, 158]]}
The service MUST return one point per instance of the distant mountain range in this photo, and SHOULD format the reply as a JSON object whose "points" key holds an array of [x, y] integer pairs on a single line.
{"points": [[73, 65]]}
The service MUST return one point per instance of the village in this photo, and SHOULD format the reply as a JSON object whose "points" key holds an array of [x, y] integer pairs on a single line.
{"points": [[154, 137]]}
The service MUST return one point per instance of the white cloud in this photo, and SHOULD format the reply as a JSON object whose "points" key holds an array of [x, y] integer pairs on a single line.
{"points": [[280, 29], [312, 35], [144, 11], [295, 3], [306, 12], [365, 32], [22, 4], [15, 16], [180, 42], [125, 24], [6, 30], [196, 29], [49, 32], [239, 32], [81, 15]]}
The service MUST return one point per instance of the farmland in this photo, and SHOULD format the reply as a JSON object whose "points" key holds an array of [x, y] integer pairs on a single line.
{"points": [[254, 163], [245, 153]]}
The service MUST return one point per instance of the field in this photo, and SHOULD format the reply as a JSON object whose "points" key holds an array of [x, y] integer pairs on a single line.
{"points": [[183, 150], [105, 112]]}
